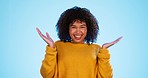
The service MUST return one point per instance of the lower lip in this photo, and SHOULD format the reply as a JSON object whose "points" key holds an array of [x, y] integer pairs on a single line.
{"points": [[77, 38]]}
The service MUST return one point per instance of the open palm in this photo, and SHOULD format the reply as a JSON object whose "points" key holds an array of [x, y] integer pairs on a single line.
{"points": [[107, 45], [46, 38]]}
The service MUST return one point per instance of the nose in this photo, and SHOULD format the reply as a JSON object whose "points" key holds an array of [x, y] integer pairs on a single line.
{"points": [[78, 30]]}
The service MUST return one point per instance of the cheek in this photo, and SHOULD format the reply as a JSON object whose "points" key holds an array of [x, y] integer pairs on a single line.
{"points": [[71, 32], [85, 31]]}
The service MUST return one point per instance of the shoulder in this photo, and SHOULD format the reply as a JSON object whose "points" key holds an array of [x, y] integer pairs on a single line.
{"points": [[95, 45], [58, 42]]}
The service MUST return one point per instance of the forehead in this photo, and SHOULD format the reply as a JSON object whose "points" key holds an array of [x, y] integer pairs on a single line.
{"points": [[78, 21]]}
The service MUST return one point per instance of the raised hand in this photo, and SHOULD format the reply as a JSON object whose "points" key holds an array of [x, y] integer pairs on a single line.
{"points": [[46, 38], [107, 45]]}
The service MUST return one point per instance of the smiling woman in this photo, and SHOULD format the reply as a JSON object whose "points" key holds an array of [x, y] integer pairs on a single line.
{"points": [[78, 31], [72, 15], [75, 15], [73, 56]]}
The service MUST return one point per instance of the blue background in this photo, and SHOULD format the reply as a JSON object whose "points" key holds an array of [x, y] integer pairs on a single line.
{"points": [[22, 50]]}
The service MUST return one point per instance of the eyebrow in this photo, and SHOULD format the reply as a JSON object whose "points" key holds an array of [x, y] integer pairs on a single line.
{"points": [[80, 25]]}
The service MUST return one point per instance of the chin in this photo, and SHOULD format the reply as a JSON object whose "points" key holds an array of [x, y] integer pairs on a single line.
{"points": [[76, 41]]}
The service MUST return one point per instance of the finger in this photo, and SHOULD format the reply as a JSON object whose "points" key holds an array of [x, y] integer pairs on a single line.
{"points": [[38, 31], [118, 39], [47, 35], [41, 35]]}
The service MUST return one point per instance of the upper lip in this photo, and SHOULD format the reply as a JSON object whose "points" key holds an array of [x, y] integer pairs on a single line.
{"points": [[77, 35]]}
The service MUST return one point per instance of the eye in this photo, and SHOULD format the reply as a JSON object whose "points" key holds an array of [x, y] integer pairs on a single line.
{"points": [[72, 27], [83, 26]]}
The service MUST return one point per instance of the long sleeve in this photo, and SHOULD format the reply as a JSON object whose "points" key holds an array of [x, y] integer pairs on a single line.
{"points": [[49, 64], [104, 67]]}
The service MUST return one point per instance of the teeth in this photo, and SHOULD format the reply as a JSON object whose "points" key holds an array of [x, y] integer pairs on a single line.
{"points": [[78, 36]]}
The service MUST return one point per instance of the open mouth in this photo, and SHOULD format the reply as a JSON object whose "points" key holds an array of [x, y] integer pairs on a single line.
{"points": [[77, 37]]}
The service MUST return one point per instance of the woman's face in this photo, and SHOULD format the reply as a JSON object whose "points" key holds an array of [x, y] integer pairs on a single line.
{"points": [[78, 31]]}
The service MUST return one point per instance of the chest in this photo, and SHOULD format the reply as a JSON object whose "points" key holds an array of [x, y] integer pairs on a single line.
{"points": [[77, 54]]}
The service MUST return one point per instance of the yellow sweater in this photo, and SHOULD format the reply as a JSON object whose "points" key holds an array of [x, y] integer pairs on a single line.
{"points": [[71, 60]]}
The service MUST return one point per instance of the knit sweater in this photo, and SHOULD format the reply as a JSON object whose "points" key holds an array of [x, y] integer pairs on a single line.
{"points": [[72, 60]]}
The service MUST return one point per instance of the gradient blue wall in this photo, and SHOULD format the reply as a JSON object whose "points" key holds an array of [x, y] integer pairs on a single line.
{"points": [[22, 50]]}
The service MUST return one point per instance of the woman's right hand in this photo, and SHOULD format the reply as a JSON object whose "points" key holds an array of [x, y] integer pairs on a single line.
{"points": [[46, 38]]}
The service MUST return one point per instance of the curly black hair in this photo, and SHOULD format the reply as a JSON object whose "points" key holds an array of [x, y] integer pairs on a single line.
{"points": [[70, 16]]}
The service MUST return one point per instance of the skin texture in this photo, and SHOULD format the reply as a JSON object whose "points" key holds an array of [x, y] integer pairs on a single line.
{"points": [[46, 38], [78, 31]]}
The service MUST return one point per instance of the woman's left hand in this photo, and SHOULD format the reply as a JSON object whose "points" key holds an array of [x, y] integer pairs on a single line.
{"points": [[107, 45]]}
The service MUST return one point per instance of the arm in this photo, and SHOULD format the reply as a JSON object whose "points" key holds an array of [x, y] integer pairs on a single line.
{"points": [[104, 67], [49, 64]]}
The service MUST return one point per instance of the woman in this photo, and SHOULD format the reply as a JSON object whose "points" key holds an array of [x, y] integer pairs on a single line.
{"points": [[75, 55]]}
